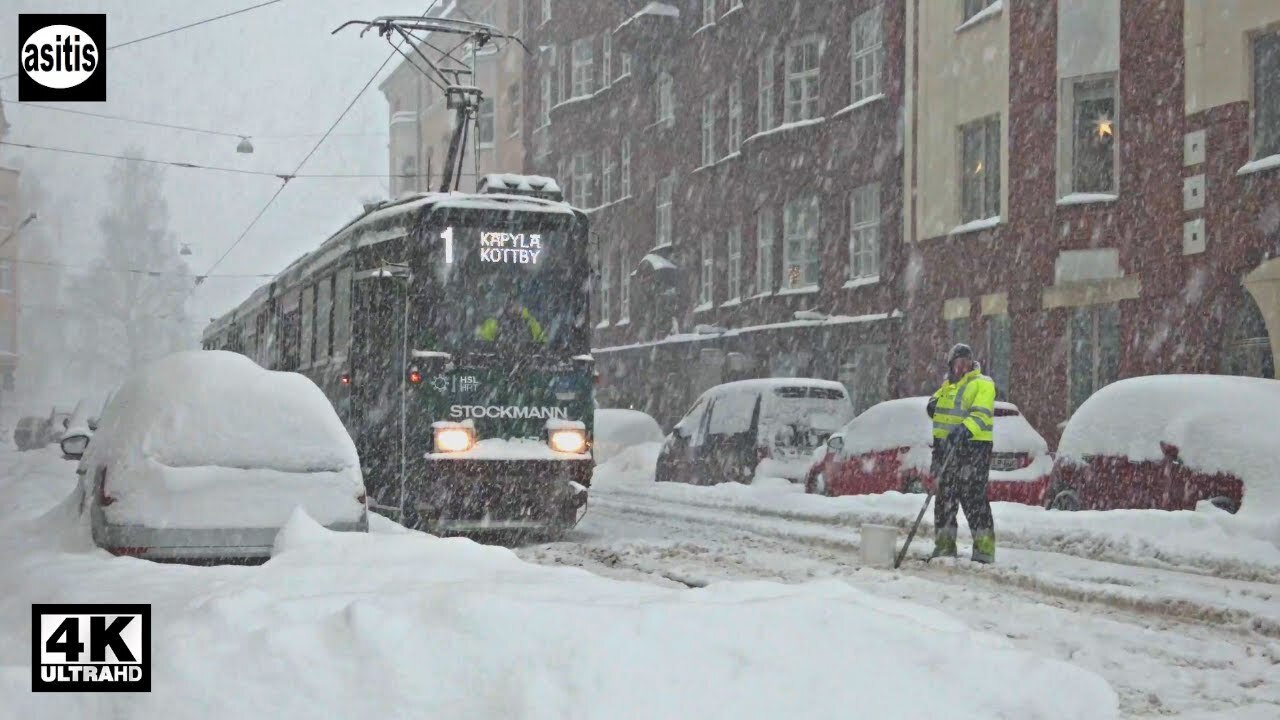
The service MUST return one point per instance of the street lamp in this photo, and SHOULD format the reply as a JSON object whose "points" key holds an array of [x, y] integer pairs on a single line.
{"points": [[245, 146]]}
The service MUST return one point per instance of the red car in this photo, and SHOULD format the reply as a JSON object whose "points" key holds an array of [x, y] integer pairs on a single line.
{"points": [[889, 447], [1168, 442]]}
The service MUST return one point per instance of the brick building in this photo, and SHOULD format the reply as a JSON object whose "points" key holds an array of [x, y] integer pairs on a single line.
{"points": [[1082, 189]]}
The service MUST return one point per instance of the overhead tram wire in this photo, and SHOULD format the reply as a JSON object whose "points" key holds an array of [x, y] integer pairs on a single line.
{"points": [[316, 147], [198, 166], [180, 28]]}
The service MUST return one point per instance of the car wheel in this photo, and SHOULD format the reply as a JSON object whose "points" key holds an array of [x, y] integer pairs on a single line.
{"points": [[1066, 500], [1224, 503]]}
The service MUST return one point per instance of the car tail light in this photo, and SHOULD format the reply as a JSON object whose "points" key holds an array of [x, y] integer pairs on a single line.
{"points": [[130, 551], [104, 499]]}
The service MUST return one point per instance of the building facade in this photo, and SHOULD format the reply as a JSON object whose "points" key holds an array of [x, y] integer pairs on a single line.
{"points": [[10, 224], [421, 125], [1083, 190]]}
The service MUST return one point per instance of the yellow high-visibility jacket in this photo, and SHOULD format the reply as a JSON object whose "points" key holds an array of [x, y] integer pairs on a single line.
{"points": [[971, 400], [488, 330]]}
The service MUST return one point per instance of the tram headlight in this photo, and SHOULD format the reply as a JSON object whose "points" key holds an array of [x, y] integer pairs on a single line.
{"points": [[568, 441], [455, 438]]}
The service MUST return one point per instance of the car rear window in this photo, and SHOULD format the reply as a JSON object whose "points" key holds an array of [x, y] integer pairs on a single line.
{"points": [[806, 391], [731, 413]]}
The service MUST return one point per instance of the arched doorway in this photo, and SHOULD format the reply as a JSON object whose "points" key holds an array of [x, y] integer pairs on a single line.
{"points": [[1246, 346]]}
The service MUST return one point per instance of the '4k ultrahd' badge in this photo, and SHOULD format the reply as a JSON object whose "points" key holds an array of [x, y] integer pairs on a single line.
{"points": [[62, 58]]}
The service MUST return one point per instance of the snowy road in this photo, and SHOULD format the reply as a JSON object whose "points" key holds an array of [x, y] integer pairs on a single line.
{"points": [[1172, 643]]}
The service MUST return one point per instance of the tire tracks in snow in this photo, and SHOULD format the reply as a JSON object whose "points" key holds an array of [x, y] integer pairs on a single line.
{"points": [[842, 544]]}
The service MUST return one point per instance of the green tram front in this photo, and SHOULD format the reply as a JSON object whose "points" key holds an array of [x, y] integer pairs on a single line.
{"points": [[495, 382]]}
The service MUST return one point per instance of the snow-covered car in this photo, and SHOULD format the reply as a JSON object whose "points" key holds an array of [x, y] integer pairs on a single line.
{"points": [[204, 455], [753, 428], [33, 432], [1168, 442], [616, 429], [889, 447]]}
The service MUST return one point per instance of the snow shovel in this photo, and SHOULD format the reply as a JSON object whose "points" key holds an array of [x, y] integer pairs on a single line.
{"points": [[927, 498]]}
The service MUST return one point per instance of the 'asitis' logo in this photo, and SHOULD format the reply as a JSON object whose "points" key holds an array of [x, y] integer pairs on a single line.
{"points": [[62, 57]]}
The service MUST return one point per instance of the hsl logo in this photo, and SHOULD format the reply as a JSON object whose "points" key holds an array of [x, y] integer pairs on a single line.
{"points": [[62, 58]]}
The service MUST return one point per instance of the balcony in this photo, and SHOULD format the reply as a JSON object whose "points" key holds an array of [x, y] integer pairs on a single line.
{"points": [[649, 30]]}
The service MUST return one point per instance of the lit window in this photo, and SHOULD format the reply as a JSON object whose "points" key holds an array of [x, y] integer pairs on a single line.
{"points": [[980, 169], [864, 232], [1090, 153], [868, 54], [800, 243], [803, 59]]}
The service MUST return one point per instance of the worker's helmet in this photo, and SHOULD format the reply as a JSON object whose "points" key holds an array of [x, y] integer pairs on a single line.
{"points": [[959, 350]]}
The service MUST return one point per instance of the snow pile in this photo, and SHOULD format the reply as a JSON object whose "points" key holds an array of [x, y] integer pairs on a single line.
{"points": [[210, 439], [616, 429], [332, 625], [1218, 423]]}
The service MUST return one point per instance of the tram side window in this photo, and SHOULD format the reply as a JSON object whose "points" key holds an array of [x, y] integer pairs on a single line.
{"points": [[324, 310], [342, 312], [308, 324], [263, 351]]}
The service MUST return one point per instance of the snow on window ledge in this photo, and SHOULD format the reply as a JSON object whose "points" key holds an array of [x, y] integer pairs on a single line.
{"points": [[861, 281], [733, 10], [602, 324], [861, 103], [700, 168], [571, 101], [761, 295], [706, 27], [1086, 198], [734, 302], [623, 321], [982, 16], [802, 290], [1270, 162], [975, 225], [704, 307], [730, 156], [785, 127]]}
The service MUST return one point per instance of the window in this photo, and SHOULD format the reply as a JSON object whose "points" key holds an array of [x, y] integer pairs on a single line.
{"points": [[802, 80], [666, 99], [6, 276], [1246, 346], [973, 7], [709, 129], [958, 330], [606, 59], [1095, 350], [800, 243], [546, 10], [548, 88], [583, 67], [485, 122], [864, 232], [342, 311], [1090, 151], [666, 188], [866, 379], [582, 179], [1266, 95], [606, 292], [607, 169], [980, 168], [626, 64], [735, 117], [764, 94], [996, 358], [513, 109], [735, 263], [868, 54], [565, 78], [708, 12], [765, 230], [7, 342], [308, 324], [707, 278], [624, 289], [624, 182], [324, 314]]}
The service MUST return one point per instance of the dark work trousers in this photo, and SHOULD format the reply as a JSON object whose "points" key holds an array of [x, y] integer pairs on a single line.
{"points": [[963, 483]]}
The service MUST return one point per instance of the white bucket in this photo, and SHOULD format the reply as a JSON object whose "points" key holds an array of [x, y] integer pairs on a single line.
{"points": [[879, 545]]}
